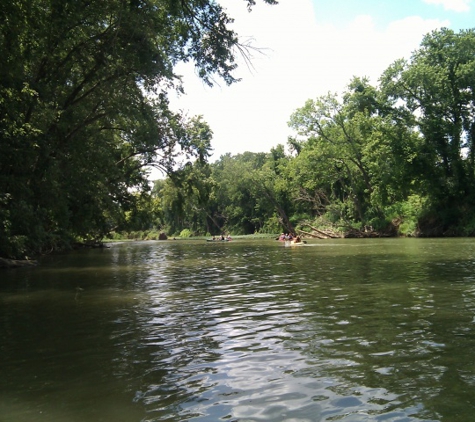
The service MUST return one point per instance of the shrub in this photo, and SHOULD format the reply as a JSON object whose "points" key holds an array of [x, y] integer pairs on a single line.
{"points": [[186, 233], [409, 212]]}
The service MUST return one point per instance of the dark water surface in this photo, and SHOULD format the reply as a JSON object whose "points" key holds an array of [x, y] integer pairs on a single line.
{"points": [[347, 330]]}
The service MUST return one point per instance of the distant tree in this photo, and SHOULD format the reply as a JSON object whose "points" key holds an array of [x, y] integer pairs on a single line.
{"points": [[352, 160], [235, 203]]}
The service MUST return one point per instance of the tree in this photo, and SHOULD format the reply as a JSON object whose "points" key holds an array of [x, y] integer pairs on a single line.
{"points": [[436, 87], [236, 205], [78, 124], [352, 160]]}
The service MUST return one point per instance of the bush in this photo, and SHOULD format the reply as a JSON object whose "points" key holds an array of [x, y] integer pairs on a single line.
{"points": [[186, 233], [408, 227], [409, 212]]}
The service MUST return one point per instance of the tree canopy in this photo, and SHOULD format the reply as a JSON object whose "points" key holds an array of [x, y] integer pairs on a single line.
{"points": [[396, 158], [84, 108], [84, 113]]}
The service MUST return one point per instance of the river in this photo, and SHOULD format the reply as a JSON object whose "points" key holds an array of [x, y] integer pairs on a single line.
{"points": [[248, 330]]}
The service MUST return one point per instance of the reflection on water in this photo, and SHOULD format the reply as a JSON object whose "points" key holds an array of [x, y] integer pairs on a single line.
{"points": [[363, 330]]}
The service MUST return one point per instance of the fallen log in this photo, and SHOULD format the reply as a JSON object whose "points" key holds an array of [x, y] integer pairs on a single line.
{"points": [[316, 234], [15, 263], [321, 233]]}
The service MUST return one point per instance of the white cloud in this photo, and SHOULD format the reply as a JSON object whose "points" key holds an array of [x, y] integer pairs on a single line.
{"points": [[303, 60], [455, 5]]}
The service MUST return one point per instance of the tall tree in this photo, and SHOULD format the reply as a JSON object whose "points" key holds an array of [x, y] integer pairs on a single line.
{"points": [[437, 88], [78, 126], [353, 154], [236, 203]]}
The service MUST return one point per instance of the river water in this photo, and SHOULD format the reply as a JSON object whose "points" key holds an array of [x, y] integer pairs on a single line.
{"points": [[345, 330]]}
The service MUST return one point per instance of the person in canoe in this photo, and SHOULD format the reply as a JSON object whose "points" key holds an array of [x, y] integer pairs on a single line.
{"points": [[297, 239]]}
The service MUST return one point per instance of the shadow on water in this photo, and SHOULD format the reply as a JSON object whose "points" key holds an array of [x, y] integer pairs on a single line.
{"points": [[359, 330]]}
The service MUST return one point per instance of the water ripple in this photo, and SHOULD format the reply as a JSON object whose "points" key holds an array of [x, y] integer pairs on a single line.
{"points": [[187, 331]]}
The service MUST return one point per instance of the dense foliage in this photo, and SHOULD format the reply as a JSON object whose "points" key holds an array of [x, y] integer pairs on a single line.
{"points": [[393, 159], [84, 109], [84, 113]]}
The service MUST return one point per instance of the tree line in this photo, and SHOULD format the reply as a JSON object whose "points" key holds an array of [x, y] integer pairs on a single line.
{"points": [[393, 159], [84, 113]]}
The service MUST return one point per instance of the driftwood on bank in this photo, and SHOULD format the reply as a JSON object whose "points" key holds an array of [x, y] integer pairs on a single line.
{"points": [[15, 263], [313, 234], [319, 233], [350, 232]]}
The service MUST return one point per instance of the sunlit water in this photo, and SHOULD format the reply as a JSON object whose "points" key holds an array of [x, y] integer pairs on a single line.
{"points": [[347, 330]]}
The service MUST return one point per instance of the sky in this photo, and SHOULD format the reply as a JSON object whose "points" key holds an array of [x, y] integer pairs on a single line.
{"points": [[308, 48]]}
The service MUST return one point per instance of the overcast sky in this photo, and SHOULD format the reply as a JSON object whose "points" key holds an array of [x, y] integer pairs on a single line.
{"points": [[311, 47]]}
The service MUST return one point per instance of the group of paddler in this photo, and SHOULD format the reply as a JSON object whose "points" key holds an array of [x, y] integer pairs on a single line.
{"points": [[290, 238]]}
